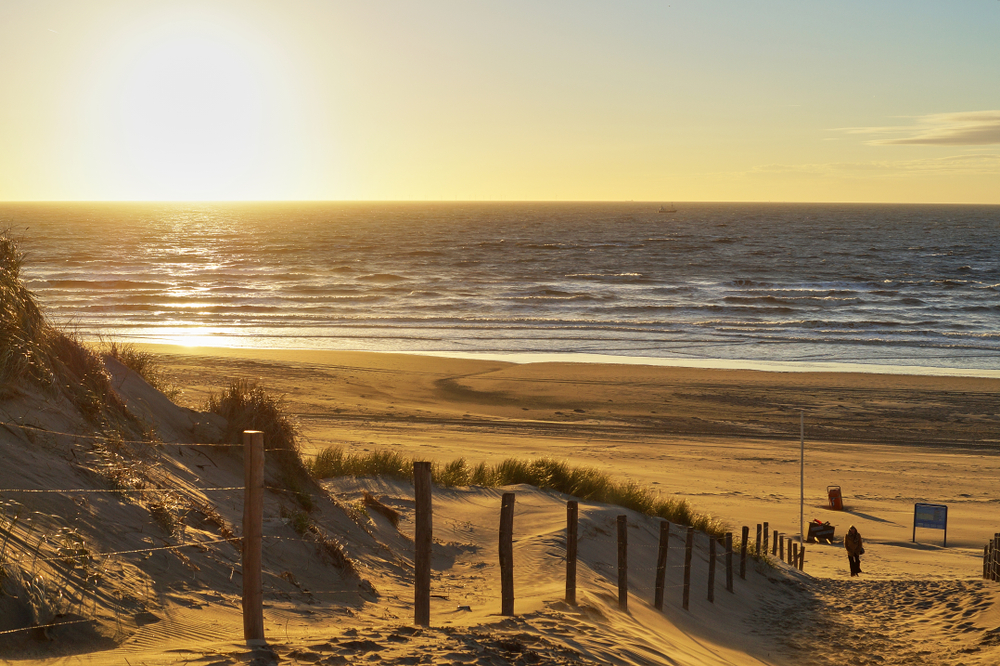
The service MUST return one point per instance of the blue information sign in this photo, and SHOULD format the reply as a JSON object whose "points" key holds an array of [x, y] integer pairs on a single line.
{"points": [[931, 516]]}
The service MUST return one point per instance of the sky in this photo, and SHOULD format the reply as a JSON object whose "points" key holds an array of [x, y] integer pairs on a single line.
{"points": [[889, 101]]}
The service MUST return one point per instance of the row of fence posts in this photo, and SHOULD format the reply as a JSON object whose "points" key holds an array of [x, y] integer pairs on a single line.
{"points": [[422, 483], [253, 514], [991, 559]]}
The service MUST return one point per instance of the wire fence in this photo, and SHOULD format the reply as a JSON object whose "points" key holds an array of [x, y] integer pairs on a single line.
{"points": [[670, 576]]}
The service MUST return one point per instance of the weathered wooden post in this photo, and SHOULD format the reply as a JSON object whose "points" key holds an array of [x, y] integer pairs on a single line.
{"points": [[793, 550], [572, 514], [661, 564], [995, 557], [781, 547], [507, 554], [688, 549], [711, 569], [729, 561], [986, 560], [802, 558], [623, 562], [757, 542], [764, 551], [422, 540], [253, 536], [743, 550], [774, 544], [995, 564]]}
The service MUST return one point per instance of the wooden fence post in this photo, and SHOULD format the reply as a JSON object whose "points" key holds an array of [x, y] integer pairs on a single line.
{"points": [[802, 558], [507, 554], [661, 564], [764, 551], [688, 549], [422, 540], [572, 515], [781, 547], [711, 568], [774, 544], [986, 560], [996, 557], [757, 542], [623, 563], [793, 551], [995, 560], [253, 535], [729, 561], [743, 550]]}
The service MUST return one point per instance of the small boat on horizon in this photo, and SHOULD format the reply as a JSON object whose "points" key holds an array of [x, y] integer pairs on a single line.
{"points": [[667, 210]]}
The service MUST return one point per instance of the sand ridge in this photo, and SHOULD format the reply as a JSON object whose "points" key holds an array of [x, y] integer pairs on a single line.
{"points": [[725, 440]]}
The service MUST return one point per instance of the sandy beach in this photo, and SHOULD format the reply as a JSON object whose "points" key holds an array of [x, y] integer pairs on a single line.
{"points": [[728, 442]]}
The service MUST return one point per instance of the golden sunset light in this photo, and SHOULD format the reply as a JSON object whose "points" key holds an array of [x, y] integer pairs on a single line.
{"points": [[224, 100], [521, 333]]}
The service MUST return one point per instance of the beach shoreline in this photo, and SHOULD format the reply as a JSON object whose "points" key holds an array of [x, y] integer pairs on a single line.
{"points": [[521, 358]]}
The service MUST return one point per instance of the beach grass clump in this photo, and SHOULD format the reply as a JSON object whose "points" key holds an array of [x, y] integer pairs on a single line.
{"points": [[24, 332], [143, 363], [246, 405], [586, 483], [333, 461]]}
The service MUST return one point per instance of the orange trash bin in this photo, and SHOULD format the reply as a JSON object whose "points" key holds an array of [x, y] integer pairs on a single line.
{"points": [[836, 499]]}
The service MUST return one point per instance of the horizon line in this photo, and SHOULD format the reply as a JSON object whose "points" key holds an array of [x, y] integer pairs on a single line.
{"points": [[485, 201]]}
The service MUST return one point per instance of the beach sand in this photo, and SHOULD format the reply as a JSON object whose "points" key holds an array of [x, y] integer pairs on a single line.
{"points": [[726, 441]]}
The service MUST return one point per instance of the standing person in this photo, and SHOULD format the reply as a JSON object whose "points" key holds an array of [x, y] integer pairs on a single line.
{"points": [[855, 549]]}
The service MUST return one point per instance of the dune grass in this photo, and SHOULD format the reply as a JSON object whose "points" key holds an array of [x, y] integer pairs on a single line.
{"points": [[586, 483], [24, 332], [246, 405], [143, 363]]}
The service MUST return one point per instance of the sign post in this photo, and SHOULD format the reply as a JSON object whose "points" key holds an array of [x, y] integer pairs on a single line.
{"points": [[931, 516]]}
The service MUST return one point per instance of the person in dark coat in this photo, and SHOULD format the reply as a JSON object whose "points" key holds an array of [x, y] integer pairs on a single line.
{"points": [[855, 548]]}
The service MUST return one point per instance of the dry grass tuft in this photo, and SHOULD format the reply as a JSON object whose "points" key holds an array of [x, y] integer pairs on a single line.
{"points": [[586, 483], [143, 363], [248, 406], [23, 329]]}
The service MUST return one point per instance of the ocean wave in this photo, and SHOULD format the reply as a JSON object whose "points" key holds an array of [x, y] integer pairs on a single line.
{"points": [[539, 276], [381, 277]]}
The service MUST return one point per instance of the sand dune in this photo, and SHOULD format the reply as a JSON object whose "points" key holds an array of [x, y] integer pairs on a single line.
{"points": [[726, 441]]}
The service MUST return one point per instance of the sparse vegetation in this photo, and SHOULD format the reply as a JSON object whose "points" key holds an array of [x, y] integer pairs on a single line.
{"points": [[24, 331], [246, 405], [143, 363], [586, 483]]}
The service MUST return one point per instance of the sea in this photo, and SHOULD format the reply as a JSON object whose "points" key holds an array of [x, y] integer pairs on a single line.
{"points": [[899, 288]]}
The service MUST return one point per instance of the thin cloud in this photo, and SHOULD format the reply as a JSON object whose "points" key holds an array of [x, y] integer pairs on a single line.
{"points": [[967, 128], [970, 165]]}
